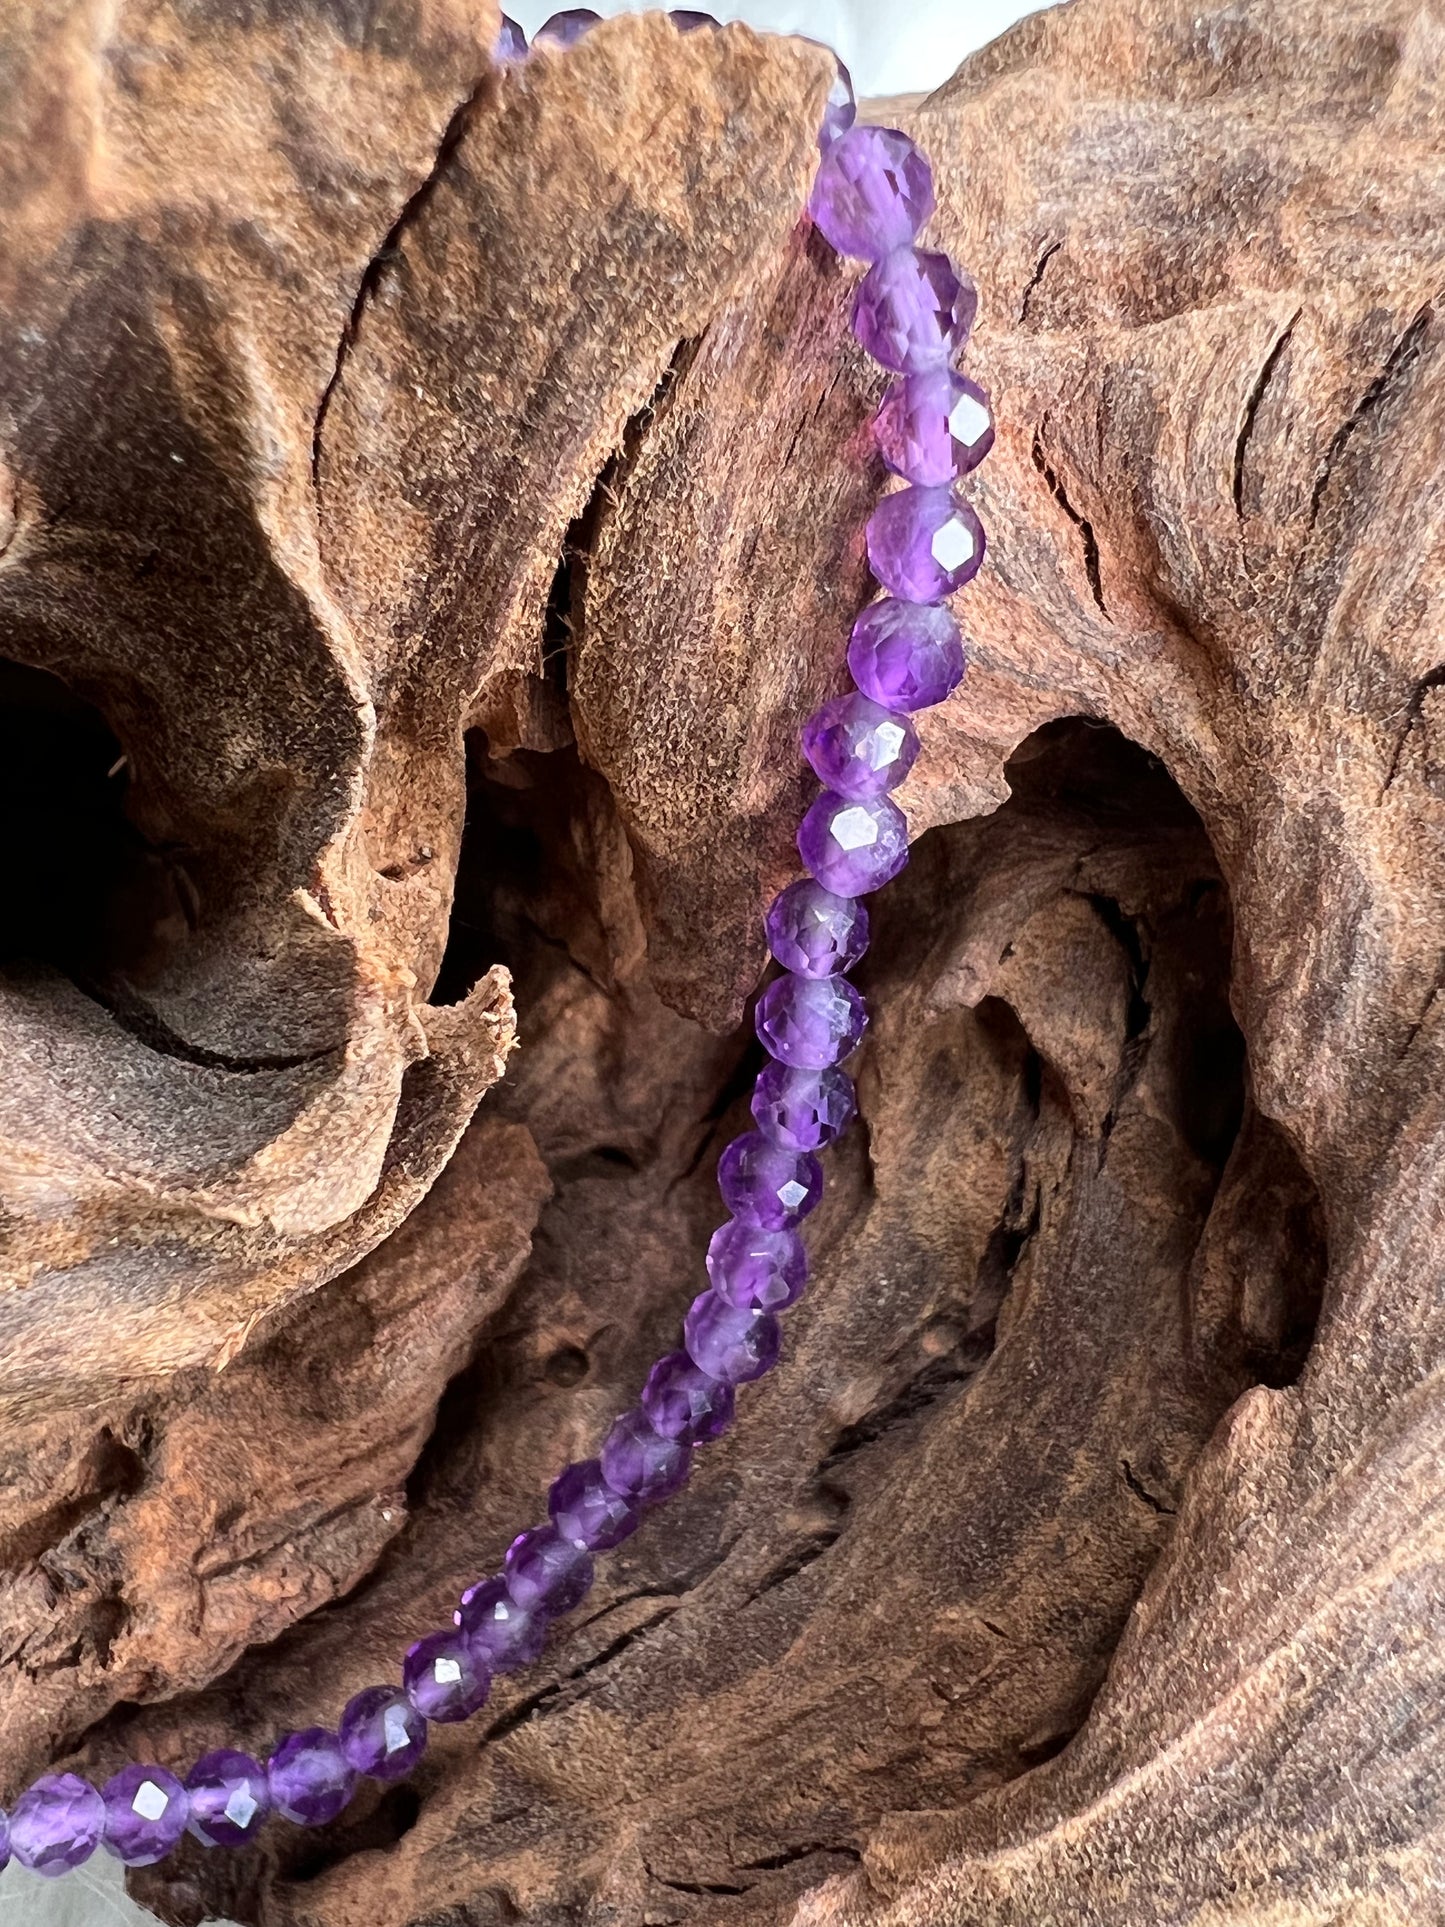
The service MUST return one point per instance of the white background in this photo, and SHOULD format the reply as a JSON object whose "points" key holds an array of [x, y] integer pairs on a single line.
{"points": [[892, 47]]}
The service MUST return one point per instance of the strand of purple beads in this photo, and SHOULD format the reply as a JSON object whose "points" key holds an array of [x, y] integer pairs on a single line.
{"points": [[912, 312]]}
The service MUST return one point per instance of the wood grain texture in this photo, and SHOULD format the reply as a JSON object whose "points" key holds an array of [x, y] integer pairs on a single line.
{"points": [[1084, 1560]]}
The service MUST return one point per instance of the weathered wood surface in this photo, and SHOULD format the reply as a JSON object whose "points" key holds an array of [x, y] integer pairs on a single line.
{"points": [[1083, 1561]]}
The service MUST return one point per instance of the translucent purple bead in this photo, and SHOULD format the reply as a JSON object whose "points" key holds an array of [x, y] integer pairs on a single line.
{"points": [[853, 845], [802, 1109], [505, 1636], [381, 1733], [857, 747], [640, 1463], [840, 110], [445, 1677], [924, 544], [230, 1799], [310, 1777], [906, 655], [684, 1403], [814, 933], [934, 427], [511, 42], [811, 1021], [728, 1342], [566, 28], [146, 1810], [766, 1184], [914, 310], [56, 1824], [586, 1511], [4, 1840], [872, 192], [546, 1572], [757, 1270], [689, 20]]}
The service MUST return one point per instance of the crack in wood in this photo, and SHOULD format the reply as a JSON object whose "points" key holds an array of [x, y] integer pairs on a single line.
{"points": [[1402, 357], [1086, 528], [1252, 405]]}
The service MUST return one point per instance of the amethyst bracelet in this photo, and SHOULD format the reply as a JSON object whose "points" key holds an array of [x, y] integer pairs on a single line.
{"points": [[912, 312]]}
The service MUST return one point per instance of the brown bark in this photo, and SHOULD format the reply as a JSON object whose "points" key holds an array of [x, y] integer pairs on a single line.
{"points": [[445, 489]]}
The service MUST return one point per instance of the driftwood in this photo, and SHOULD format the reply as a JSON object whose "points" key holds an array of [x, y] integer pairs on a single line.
{"points": [[424, 477]]}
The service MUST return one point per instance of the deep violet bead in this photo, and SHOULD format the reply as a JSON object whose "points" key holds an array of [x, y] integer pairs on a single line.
{"points": [[853, 845], [640, 1463], [230, 1798], [310, 1778], [381, 1733], [566, 28], [812, 1021], [857, 747], [682, 1402], [56, 1824], [914, 310], [445, 1677], [872, 192], [906, 655], [505, 1636], [934, 427], [765, 1183], [146, 1810], [924, 544], [511, 43], [814, 933], [757, 1270], [803, 1109], [546, 1572], [689, 20], [729, 1342], [586, 1511]]}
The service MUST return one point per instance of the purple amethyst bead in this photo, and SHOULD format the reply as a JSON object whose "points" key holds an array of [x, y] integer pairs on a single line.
{"points": [[381, 1733], [802, 1109], [4, 1840], [840, 110], [924, 544], [857, 747], [230, 1800], [310, 1778], [689, 20], [728, 1342], [445, 1677], [766, 1184], [684, 1403], [56, 1824], [811, 1021], [872, 192], [852, 845], [587, 1512], [640, 1463], [814, 933], [934, 427], [565, 29], [547, 1573], [146, 1810], [914, 310], [906, 655], [511, 43], [505, 1636], [757, 1270]]}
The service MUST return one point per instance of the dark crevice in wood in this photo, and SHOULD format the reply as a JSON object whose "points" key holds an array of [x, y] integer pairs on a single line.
{"points": [[1252, 405], [1036, 277], [1414, 709], [1141, 1491], [1402, 356], [1092, 567]]}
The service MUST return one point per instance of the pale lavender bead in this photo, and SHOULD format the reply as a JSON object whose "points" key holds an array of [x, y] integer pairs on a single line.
{"points": [[640, 1463], [230, 1799], [684, 1403], [840, 110], [764, 1183], [511, 43], [146, 1811], [310, 1778], [728, 1342], [853, 845], [914, 310], [803, 1109], [924, 544], [566, 28], [811, 1021], [56, 1824], [445, 1677], [505, 1636], [546, 1572], [857, 747], [815, 933], [586, 1511], [872, 192], [757, 1270], [381, 1733], [906, 655], [934, 427]]}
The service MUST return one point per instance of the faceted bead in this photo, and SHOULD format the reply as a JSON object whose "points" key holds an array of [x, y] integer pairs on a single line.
{"points": [[445, 1677], [906, 655], [857, 747], [56, 1824], [934, 427], [684, 1403], [764, 1183], [511, 42], [689, 20], [872, 192], [803, 1109], [4, 1840], [923, 544], [640, 1463], [546, 1572], [310, 1777], [146, 1810], [851, 845], [728, 1342], [505, 1636], [381, 1733], [757, 1270], [814, 933], [566, 28], [586, 1511], [914, 310], [811, 1021], [230, 1799], [840, 110]]}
